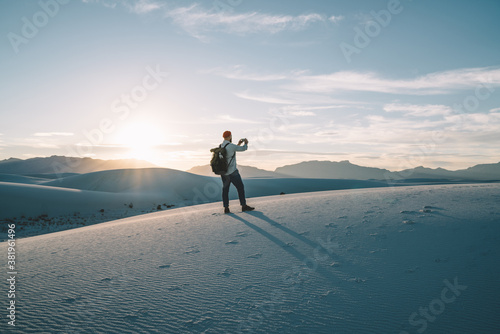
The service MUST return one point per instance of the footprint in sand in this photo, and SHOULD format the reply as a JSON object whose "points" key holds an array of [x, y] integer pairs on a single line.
{"points": [[407, 212], [329, 294], [201, 323], [378, 236], [254, 256], [247, 287], [192, 250], [357, 280], [226, 272], [71, 300]]}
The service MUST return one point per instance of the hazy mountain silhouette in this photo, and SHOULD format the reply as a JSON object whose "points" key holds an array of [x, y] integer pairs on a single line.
{"points": [[483, 172], [332, 170], [63, 165], [347, 170], [423, 172], [246, 171]]}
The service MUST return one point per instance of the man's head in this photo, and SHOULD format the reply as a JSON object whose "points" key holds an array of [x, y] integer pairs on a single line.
{"points": [[227, 135]]}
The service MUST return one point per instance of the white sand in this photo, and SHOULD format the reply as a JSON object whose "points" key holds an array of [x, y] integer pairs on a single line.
{"points": [[47, 205], [349, 261]]}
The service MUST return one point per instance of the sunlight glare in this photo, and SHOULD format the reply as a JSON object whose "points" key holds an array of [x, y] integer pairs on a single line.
{"points": [[142, 140]]}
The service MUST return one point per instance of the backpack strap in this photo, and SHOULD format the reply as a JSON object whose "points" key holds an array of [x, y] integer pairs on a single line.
{"points": [[232, 157]]}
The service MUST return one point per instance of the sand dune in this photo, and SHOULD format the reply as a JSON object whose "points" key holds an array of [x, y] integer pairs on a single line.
{"points": [[150, 180], [350, 261], [114, 190], [13, 178], [85, 199], [32, 200]]}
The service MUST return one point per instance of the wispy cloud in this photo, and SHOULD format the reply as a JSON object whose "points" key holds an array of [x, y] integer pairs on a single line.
{"points": [[266, 152], [231, 119], [484, 78], [223, 119], [476, 122], [301, 113], [280, 96], [52, 134], [433, 83], [307, 110], [241, 72], [145, 6], [335, 19], [197, 21], [265, 98], [419, 110], [134, 6]]}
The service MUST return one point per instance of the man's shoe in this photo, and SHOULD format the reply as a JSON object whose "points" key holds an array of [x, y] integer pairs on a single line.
{"points": [[247, 208], [226, 210]]}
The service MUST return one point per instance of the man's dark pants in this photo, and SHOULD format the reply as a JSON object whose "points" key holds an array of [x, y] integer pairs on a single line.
{"points": [[234, 178]]}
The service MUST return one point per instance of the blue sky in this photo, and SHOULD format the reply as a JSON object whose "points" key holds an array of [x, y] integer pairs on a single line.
{"points": [[392, 84]]}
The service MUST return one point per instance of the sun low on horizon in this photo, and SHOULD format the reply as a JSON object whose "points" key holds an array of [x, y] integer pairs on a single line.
{"points": [[367, 81], [250, 166], [140, 140]]}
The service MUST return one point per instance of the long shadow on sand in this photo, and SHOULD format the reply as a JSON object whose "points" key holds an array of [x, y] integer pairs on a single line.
{"points": [[308, 262], [265, 218]]}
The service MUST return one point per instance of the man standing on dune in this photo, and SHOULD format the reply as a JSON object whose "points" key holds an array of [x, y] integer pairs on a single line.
{"points": [[233, 175]]}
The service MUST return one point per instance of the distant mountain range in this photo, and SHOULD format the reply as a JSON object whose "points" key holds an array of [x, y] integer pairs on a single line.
{"points": [[332, 170], [308, 169], [346, 170], [246, 171], [64, 165]]}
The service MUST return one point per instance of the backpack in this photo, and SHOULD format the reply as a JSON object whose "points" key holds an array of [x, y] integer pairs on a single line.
{"points": [[219, 163]]}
